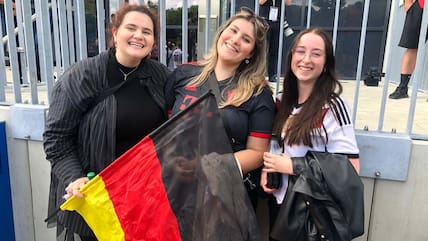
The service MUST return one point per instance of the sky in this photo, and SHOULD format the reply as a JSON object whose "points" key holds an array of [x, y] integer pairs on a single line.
{"points": [[177, 3], [169, 3], [180, 3]]}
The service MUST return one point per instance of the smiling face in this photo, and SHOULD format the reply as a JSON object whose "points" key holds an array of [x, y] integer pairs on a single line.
{"points": [[134, 38], [236, 42], [308, 58]]}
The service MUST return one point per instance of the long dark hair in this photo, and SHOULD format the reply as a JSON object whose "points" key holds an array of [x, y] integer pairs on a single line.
{"points": [[325, 91]]}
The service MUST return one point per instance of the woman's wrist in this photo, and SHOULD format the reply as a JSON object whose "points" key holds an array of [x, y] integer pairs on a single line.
{"points": [[238, 163]]}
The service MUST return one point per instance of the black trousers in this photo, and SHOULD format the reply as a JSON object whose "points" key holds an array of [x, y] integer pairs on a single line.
{"points": [[273, 213]]}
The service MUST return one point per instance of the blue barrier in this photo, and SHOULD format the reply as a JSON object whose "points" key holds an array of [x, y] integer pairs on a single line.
{"points": [[6, 213]]}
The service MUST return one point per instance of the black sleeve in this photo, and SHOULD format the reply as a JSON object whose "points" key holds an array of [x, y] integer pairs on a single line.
{"points": [[177, 79], [262, 116], [72, 95], [59, 138]]}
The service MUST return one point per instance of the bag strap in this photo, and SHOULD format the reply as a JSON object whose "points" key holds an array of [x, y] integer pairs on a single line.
{"points": [[213, 85], [106, 93]]}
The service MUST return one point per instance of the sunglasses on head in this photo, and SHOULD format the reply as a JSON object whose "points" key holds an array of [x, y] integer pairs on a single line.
{"points": [[257, 17]]}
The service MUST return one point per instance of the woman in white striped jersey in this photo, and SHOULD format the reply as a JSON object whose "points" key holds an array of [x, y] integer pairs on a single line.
{"points": [[311, 114]]}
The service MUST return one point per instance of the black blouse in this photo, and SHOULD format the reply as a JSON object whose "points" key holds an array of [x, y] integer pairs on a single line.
{"points": [[137, 113]]}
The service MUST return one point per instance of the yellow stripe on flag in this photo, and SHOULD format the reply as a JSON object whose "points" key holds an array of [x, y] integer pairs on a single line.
{"points": [[97, 210]]}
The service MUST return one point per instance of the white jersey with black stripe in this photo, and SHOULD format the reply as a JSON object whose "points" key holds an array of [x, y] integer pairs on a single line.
{"points": [[336, 134]]}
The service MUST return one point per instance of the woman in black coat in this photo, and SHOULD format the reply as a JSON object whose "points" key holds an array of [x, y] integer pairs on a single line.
{"points": [[100, 108]]}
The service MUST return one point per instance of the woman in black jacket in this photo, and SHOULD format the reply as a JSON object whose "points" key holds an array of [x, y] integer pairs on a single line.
{"points": [[101, 107]]}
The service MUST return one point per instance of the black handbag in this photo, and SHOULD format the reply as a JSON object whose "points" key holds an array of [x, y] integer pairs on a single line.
{"points": [[315, 230]]}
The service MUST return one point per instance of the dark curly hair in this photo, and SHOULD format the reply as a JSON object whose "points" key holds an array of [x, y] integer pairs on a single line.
{"points": [[126, 8]]}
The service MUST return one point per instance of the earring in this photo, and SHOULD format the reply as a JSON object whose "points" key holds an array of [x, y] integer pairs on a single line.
{"points": [[247, 61]]}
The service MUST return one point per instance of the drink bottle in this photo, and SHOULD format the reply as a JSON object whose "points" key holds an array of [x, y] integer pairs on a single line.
{"points": [[91, 175], [274, 179]]}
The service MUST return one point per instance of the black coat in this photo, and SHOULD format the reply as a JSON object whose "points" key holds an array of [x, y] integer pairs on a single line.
{"points": [[325, 193], [80, 137]]}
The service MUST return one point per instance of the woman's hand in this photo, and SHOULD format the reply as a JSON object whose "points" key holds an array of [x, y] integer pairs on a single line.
{"points": [[355, 163], [73, 189], [263, 183], [277, 163]]}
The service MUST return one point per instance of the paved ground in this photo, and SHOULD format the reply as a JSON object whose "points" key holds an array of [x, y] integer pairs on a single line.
{"points": [[396, 111]]}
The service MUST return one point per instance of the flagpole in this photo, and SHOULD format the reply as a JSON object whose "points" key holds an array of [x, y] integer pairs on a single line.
{"points": [[52, 214], [90, 175]]}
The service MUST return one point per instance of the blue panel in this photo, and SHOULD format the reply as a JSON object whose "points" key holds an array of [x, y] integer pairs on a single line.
{"points": [[6, 217], [384, 155]]}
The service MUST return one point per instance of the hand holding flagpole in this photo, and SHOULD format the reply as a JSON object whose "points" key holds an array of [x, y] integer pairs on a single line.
{"points": [[66, 196], [73, 189]]}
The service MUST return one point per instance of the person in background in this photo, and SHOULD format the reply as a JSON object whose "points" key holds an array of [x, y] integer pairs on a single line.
{"points": [[19, 55], [192, 36], [311, 114], [3, 15], [89, 125], [3, 21], [409, 40], [234, 70], [271, 11], [177, 56], [109, 29], [170, 47]]}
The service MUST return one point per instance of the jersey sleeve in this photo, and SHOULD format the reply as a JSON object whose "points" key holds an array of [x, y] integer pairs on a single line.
{"points": [[262, 115], [340, 130]]}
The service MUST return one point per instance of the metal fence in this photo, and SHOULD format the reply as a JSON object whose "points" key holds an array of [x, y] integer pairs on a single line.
{"points": [[45, 37]]}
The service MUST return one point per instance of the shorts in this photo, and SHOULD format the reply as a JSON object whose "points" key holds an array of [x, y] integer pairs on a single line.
{"points": [[412, 27]]}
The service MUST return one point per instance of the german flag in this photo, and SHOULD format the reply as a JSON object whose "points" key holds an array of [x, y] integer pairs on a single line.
{"points": [[181, 182]]}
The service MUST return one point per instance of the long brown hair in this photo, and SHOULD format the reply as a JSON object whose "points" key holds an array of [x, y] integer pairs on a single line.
{"points": [[251, 75], [126, 8], [325, 91]]}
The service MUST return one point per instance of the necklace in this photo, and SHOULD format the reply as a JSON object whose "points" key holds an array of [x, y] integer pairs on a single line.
{"points": [[226, 85], [125, 76]]}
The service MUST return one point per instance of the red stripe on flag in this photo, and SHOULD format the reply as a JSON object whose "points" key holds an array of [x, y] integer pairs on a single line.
{"points": [[135, 186]]}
